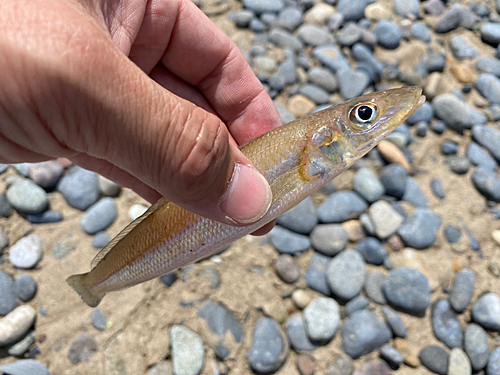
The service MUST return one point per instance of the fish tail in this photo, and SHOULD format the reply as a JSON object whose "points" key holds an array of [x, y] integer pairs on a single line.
{"points": [[78, 284]]}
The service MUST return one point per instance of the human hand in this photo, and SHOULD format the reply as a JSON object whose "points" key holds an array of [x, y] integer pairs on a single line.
{"points": [[150, 94]]}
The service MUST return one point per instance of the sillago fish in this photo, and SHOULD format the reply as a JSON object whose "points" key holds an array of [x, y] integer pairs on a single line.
{"points": [[296, 159]]}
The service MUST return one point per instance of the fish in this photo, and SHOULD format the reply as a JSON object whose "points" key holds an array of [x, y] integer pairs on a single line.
{"points": [[296, 159]]}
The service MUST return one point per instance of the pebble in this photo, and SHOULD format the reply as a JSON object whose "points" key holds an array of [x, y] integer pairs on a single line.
{"points": [[136, 210], [374, 287], [474, 244], [80, 188], [419, 230], [329, 239], [27, 197], [269, 347], [109, 188], [394, 177], [476, 346], [449, 148], [490, 33], [494, 268], [262, 6], [64, 247], [437, 188], [331, 57], [479, 157], [257, 26], [421, 32], [285, 39], [488, 86], [459, 363], [362, 333], [300, 106], [16, 324], [314, 35], [100, 240], [487, 183], [388, 34], [364, 54], [352, 10], [45, 217], [438, 127], [406, 8], [392, 154], [26, 252], [46, 174], [452, 233], [99, 320], [461, 49], [488, 138], [305, 364], [296, 331], [356, 304], [169, 278], [486, 312], [221, 320], [391, 356], [22, 346], [5, 207], [301, 298], [493, 367], [424, 113], [316, 273], [451, 20], [25, 367], [445, 324], [394, 322], [212, 276], [386, 220], [188, 354], [350, 35], [352, 83], [341, 365], [456, 114], [288, 242], [489, 65], [368, 185], [435, 359], [315, 93], [346, 274], [458, 164], [341, 206], [463, 289], [322, 319], [287, 269], [8, 302], [4, 242], [99, 216], [319, 14], [372, 251], [162, 368], [408, 290], [323, 78], [82, 349], [25, 287]]}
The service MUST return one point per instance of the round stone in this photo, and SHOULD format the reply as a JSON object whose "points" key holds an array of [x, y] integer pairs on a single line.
{"points": [[459, 363], [287, 269], [329, 239], [346, 274], [386, 220], [322, 319], [16, 324], [27, 197], [476, 346], [25, 287], [8, 302], [445, 324], [395, 322], [301, 219], [435, 359], [374, 287], [372, 250], [26, 252], [419, 230], [287, 242], [188, 354], [368, 185], [80, 187], [99, 216], [297, 334], [393, 177], [269, 347], [486, 311], [463, 289]]}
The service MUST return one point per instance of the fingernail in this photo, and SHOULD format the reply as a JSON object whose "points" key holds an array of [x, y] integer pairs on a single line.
{"points": [[248, 195]]}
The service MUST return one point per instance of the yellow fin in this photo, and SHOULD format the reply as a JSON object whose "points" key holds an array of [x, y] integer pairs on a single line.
{"points": [[77, 283], [160, 202]]}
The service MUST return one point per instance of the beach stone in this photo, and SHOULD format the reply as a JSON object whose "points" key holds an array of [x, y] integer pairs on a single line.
{"points": [[24, 367], [368, 185], [394, 322], [476, 346], [169, 278], [352, 83], [356, 304], [242, 18], [80, 188], [346, 274], [316, 273], [456, 114], [285, 39], [435, 359], [449, 148], [315, 93], [286, 268], [288, 242], [221, 320], [16, 324], [4, 242], [257, 26], [262, 6], [301, 298], [342, 364], [391, 356], [488, 86], [46, 174], [372, 251], [314, 35], [413, 194], [489, 65], [459, 363], [386, 220], [296, 331], [331, 57], [27, 197], [445, 324], [407, 290], [419, 230], [109, 188], [487, 183], [374, 287], [5, 207], [363, 54], [322, 319], [45, 217], [101, 239], [404, 8], [319, 14], [188, 354], [350, 34], [478, 156], [269, 347], [82, 349], [489, 138], [340, 206], [490, 33], [437, 188], [463, 289], [461, 49], [458, 164], [421, 32], [438, 127], [26, 252], [8, 302], [362, 333], [25, 288], [136, 210], [22, 346], [323, 78], [99, 320], [493, 367], [305, 364], [388, 34], [452, 234], [352, 10], [486, 312], [451, 20], [99, 216], [424, 113], [329, 239], [394, 177]]}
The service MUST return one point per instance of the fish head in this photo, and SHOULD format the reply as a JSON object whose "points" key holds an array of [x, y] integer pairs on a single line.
{"points": [[359, 124]]}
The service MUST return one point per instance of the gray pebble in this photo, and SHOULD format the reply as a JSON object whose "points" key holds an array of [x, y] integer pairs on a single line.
{"points": [[437, 188], [257, 26], [27, 197], [476, 346], [45, 217], [331, 57], [341, 206], [346, 274], [457, 114], [356, 304], [445, 324], [395, 322], [435, 359], [8, 302], [388, 34], [451, 20], [46, 174], [438, 127], [363, 54], [289, 18], [269, 347], [99, 216], [487, 183], [424, 113], [486, 312], [99, 320], [362, 333], [489, 65], [374, 287], [342, 365], [82, 348], [372, 251], [315, 93], [314, 35], [4, 242], [25, 287], [449, 148], [458, 164], [488, 86], [452, 234], [287, 269], [297, 335], [287, 242], [394, 178], [493, 367], [478, 156], [242, 18], [490, 33], [419, 230], [21, 347], [386, 220], [80, 188], [329, 239], [404, 8], [25, 367], [352, 10], [459, 363], [323, 78], [421, 130], [263, 6], [283, 38], [461, 48], [221, 352], [408, 290], [100, 240], [220, 320], [301, 219], [413, 194], [391, 356], [489, 138], [350, 34], [169, 278], [352, 83], [213, 276], [322, 319], [368, 185], [188, 354], [26, 252], [109, 188], [476, 246], [463, 289], [5, 207], [316, 274], [421, 32]]}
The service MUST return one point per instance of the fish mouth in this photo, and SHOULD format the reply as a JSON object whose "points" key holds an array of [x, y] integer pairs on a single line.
{"points": [[417, 105]]}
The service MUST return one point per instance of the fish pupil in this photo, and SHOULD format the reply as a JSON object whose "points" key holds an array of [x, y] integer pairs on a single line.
{"points": [[365, 112]]}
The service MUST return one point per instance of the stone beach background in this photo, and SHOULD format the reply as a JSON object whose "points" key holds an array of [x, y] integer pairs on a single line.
{"points": [[394, 268]]}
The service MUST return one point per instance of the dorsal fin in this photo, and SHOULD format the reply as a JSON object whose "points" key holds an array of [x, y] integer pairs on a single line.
{"points": [[160, 202]]}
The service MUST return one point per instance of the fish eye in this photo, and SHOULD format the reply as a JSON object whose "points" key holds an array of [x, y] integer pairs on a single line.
{"points": [[363, 114]]}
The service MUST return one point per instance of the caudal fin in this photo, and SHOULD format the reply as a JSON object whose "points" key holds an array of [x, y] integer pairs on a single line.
{"points": [[76, 282]]}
